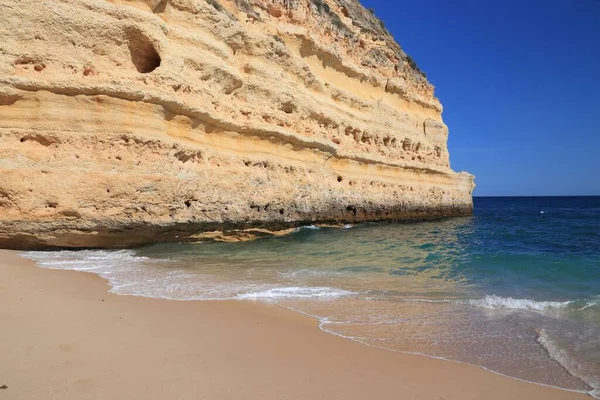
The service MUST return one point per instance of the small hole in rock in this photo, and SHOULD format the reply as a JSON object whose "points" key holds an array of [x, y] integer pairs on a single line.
{"points": [[339, 179], [288, 107], [144, 56], [352, 209], [188, 203]]}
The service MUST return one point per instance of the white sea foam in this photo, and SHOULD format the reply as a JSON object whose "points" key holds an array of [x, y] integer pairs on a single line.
{"points": [[309, 227], [295, 292], [496, 302], [98, 261], [130, 274]]}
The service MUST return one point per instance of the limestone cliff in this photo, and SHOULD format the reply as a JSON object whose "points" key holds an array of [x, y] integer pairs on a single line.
{"points": [[124, 122]]}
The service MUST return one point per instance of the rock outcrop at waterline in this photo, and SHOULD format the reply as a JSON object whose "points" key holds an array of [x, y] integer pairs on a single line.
{"points": [[125, 122]]}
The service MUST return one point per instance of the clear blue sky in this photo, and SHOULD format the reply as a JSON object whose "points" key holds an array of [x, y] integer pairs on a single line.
{"points": [[520, 85]]}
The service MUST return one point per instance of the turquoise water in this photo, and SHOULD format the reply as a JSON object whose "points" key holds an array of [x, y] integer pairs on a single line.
{"points": [[514, 289]]}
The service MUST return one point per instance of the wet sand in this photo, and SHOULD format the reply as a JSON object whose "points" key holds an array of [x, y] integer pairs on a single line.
{"points": [[63, 336]]}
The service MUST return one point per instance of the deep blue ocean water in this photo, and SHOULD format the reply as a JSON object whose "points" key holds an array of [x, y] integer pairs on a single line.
{"points": [[514, 288], [533, 247]]}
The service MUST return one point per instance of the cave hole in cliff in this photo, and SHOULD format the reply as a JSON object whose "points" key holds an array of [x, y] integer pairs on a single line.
{"points": [[144, 56], [188, 203], [160, 7], [339, 179]]}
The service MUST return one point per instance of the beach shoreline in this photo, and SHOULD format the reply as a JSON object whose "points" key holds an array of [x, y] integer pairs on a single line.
{"points": [[65, 336]]}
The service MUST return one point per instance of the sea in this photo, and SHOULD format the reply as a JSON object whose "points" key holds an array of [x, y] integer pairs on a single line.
{"points": [[514, 289]]}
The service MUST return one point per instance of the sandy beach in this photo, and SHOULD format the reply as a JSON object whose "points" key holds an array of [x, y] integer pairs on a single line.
{"points": [[63, 336]]}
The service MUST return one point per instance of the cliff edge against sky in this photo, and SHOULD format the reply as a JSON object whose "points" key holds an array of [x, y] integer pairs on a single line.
{"points": [[125, 122]]}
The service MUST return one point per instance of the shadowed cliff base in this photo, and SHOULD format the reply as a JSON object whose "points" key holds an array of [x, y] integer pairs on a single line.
{"points": [[53, 235]]}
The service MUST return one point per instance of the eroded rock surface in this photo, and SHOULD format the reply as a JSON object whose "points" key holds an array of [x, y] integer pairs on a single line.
{"points": [[125, 122]]}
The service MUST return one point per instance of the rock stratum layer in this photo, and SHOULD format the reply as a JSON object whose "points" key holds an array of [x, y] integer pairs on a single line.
{"points": [[126, 122]]}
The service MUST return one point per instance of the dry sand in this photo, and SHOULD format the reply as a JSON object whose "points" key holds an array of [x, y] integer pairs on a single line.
{"points": [[63, 336]]}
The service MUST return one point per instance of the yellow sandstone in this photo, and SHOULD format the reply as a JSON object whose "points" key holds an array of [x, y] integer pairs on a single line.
{"points": [[126, 122]]}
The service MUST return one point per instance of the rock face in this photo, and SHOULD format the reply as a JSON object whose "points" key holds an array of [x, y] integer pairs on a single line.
{"points": [[125, 122]]}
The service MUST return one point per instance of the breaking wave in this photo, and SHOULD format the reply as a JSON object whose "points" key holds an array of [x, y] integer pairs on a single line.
{"points": [[494, 302]]}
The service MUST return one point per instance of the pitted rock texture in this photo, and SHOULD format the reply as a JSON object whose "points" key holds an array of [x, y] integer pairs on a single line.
{"points": [[126, 122]]}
